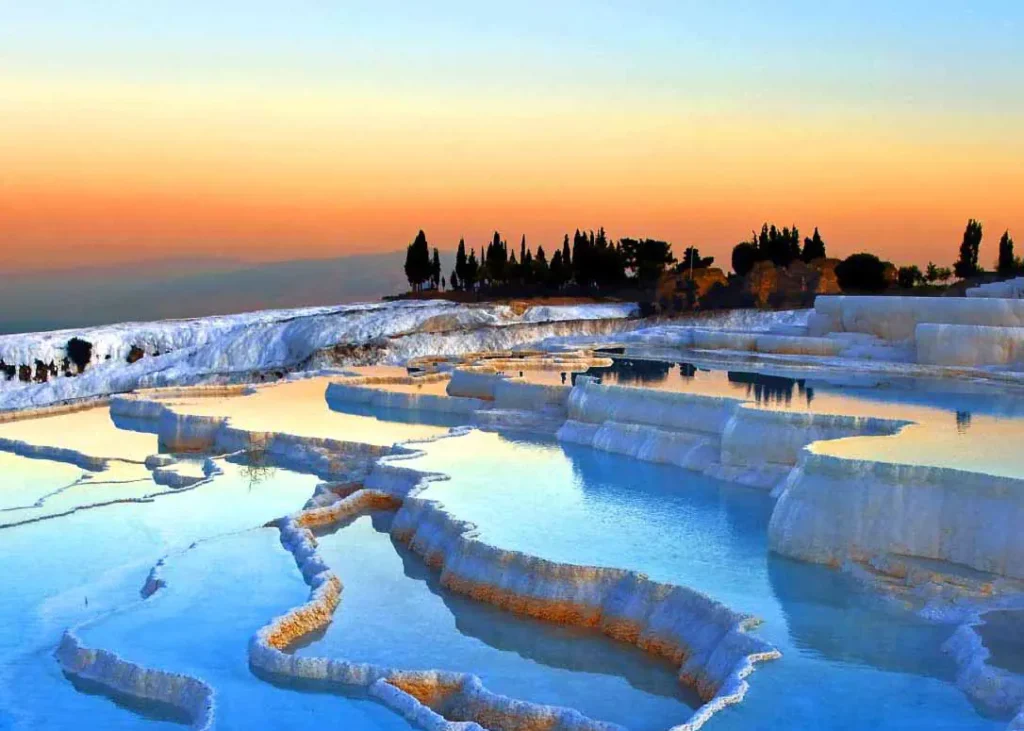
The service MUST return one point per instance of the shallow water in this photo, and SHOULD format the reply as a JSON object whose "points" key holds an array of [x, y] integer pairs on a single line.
{"points": [[91, 432], [1003, 635], [217, 595], [60, 572], [23, 481], [300, 408], [394, 613], [965, 425], [849, 660]]}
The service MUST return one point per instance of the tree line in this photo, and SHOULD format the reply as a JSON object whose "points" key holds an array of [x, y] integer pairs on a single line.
{"points": [[866, 271], [592, 261]]}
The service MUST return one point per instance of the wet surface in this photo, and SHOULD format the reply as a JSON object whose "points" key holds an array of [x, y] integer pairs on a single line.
{"points": [[849, 659]]}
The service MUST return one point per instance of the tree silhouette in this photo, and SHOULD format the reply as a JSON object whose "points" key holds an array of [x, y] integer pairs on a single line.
{"points": [[418, 267], [693, 260], [934, 273], [646, 259], [469, 279], [435, 270], [861, 272], [460, 265], [1007, 263], [909, 276], [814, 247], [558, 275], [744, 256], [967, 264]]}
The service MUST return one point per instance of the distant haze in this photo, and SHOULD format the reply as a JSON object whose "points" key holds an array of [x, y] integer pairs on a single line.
{"points": [[164, 290]]}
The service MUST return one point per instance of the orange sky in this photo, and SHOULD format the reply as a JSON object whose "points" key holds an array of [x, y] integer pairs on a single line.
{"points": [[102, 166]]}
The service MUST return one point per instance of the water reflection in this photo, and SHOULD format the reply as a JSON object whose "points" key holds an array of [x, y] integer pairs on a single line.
{"points": [[571, 503], [156, 714], [773, 390], [761, 388], [423, 625], [963, 421], [830, 613]]}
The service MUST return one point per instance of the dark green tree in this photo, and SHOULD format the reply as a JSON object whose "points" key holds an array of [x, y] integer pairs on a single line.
{"points": [[418, 266], [469, 280], [461, 262], [744, 256], [909, 276], [558, 275], [1007, 263], [814, 247], [581, 265], [934, 273], [646, 259], [541, 269], [693, 260], [435, 270], [861, 273], [967, 264]]}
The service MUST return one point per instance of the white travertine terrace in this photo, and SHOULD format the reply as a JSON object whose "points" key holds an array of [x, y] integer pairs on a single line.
{"points": [[1007, 289], [183, 692], [979, 330], [833, 508], [415, 694], [717, 435], [830, 509], [708, 640]]}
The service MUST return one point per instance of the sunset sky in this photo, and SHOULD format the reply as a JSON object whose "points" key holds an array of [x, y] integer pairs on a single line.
{"points": [[268, 131]]}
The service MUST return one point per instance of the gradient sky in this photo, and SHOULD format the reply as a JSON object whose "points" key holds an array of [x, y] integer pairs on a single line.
{"points": [[271, 130]]}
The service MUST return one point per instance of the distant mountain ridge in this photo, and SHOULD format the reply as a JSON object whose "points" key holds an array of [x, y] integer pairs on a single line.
{"points": [[64, 299]]}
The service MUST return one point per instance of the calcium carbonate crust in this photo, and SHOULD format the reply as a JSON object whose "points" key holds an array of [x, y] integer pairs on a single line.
{"points": [[246, 346], [413, 694], [108, 669]]}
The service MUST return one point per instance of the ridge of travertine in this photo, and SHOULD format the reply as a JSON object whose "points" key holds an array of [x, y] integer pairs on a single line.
{"points": [[433, 527], [708, 640], [108, 669]]}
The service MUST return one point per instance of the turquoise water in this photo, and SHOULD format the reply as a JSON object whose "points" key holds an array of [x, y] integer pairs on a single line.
{"points": [[394, 613], [63, 571], [399, 416], [850, 660], [217, 595]]}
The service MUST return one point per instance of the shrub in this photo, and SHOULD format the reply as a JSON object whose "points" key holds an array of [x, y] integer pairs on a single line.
{"points": [[861, 272], [909, 276], [80, 353], [744, 256]]}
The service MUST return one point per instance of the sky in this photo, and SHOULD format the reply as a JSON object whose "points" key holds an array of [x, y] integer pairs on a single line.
{"points": [[263, 131]]}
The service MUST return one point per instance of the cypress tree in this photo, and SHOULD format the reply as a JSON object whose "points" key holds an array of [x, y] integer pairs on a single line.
{"points": [[418, 267], [1007, 263], [814, 247], [967, 264], [460, 262]]}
